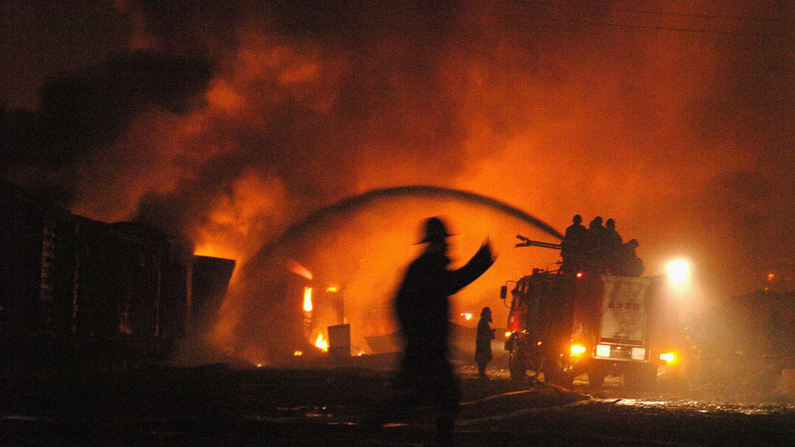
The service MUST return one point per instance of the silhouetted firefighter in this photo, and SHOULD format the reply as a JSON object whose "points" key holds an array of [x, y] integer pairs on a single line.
{"points": [[483, 340], [573, 247], [423, 310], [597, 249]]}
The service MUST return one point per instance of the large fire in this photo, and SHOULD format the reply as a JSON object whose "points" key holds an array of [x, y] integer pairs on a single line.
{"points": [[306, 107]]}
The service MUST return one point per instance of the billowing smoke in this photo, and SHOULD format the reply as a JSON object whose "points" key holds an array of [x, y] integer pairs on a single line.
{"points": [[227, 122]]}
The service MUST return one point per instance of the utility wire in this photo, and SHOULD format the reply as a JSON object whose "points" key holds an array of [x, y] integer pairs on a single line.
{"points": [[652, 27], [532, 15], [592, 6]]}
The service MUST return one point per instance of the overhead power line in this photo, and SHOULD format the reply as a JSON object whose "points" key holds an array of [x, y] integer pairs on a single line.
{"points": [[649, 27], [533, 10], [597, 7]]}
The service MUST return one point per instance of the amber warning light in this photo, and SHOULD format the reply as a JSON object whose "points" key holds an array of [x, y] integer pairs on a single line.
{"points": [[577, 349]]}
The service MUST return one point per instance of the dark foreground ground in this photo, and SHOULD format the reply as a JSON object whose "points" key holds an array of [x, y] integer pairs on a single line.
{"points": [[219, 406]]}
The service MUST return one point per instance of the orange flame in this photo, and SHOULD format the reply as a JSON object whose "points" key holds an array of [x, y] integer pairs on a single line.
{"points": [[299, 269], [321, 343], [307, 299]]}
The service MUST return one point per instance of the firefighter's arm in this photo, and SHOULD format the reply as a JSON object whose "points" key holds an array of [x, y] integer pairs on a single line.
{"points": [[480, 262]]}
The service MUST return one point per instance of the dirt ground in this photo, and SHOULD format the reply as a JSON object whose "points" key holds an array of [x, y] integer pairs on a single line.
{"points": [[215, 405]]}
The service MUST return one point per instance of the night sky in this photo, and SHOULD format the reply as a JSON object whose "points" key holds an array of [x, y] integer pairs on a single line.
{"points": [[227, 122]]}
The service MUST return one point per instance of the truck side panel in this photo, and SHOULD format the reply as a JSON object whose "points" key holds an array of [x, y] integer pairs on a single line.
{"points": [[587, 310], [624, 310]]}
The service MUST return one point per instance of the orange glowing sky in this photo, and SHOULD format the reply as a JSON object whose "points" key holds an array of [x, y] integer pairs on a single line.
{"points": [[672, 117]]}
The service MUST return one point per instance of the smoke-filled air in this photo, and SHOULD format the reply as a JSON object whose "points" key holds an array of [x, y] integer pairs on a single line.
{"points": [[248, 129]]}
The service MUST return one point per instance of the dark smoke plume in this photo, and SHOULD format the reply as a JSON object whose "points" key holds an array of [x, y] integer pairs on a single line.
{"points": [[83, 114]]}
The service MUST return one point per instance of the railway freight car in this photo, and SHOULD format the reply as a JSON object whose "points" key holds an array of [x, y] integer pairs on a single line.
{"points": [[79, 291]]}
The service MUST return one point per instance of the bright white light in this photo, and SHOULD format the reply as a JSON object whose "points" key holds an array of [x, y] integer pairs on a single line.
{"points": [[603, 350], [678, 271]]}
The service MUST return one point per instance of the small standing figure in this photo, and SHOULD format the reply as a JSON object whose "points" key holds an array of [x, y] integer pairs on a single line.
{"points": [[483, 342]]}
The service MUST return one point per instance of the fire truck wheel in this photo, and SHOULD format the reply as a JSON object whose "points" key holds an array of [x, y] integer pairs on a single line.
{"points": [[517, 367], [596, 378], [555, 374]]}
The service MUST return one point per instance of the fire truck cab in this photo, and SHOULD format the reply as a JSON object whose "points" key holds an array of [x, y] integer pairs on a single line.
{"points": [[564, 325]]}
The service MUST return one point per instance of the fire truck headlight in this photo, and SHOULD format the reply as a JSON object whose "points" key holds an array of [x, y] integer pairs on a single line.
{"points": [[668, 357], [577, 350], [508, 334]]}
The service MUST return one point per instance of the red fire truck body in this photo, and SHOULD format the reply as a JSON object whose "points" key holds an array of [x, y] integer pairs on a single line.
{"points": [[566, 325]]}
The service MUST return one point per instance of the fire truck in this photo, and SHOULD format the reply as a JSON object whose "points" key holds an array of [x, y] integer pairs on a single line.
{"points": [[567, 324]]}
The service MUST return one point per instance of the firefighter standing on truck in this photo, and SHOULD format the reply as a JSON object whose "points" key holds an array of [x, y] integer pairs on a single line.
{"points": [[613, 244], [597, 239], [573, 249], [423, 311]]}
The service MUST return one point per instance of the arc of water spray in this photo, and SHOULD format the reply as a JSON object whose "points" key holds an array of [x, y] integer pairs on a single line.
{"points": [[377, 195], [280, 323]]}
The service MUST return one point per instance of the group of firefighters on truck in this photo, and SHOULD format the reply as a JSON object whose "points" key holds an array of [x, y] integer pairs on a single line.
{"points": [[598, 249]]}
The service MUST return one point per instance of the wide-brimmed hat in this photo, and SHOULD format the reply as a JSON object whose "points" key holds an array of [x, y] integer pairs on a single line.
{"points": [[435, 229]]}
